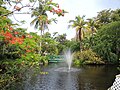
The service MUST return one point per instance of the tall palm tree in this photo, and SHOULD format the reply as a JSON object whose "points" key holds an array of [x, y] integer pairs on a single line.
{"points": [[79, 25], [40, 13], [40, 18]]}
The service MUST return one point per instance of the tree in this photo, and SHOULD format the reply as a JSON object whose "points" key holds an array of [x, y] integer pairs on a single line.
{"points": [[41, 20], [79, 24], [103, 17], [49, 45], [62, 41], [107, 16], [107, 42], [115, 15], [91, 26]]}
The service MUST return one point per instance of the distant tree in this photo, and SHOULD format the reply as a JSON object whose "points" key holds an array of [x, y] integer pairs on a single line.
{"points": [[91, 26], [115, 15], [107, 16]]}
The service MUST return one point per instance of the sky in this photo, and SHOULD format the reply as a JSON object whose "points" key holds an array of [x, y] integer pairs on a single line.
{"points": [[89, 8]]}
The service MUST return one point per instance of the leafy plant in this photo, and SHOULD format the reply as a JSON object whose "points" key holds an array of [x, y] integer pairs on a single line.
{"points": [[87, 57]]}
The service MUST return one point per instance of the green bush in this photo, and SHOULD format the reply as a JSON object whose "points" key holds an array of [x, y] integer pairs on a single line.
{"points": [[106, 42], [87, 57]]}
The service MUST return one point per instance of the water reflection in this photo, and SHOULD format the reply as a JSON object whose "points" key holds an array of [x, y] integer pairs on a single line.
{"points": [[88, 78]]}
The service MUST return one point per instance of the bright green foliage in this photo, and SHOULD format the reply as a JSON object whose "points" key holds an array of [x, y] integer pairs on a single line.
{"points": [[87, 57], [62, 42], [1, 2], [49, 45], [91, 28], [73, 45], [107, 42], [17, 57], [41, 19], [20, 50]]}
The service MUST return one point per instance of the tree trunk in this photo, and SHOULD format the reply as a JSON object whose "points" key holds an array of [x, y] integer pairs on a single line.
{"points": [[80, 39], [80, 34], [40, 43]]}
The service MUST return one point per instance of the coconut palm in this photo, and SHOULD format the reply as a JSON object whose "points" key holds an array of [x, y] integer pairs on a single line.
{"points": [[79, 25], [40, 18], [40, 13], [90, 31], [91, 26]]}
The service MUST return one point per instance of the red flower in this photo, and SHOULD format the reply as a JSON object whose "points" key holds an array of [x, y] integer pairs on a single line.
{"points": [[12, 42], [15, 32], [60, 10], [16, 40], [8, 36], [23, 36], [28, 51], [10, 28]]}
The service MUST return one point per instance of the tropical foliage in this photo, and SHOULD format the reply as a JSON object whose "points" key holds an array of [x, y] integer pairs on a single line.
{"points": [[20, 50], [101, 35], [107, 42], [97, 39], [87, 57]]}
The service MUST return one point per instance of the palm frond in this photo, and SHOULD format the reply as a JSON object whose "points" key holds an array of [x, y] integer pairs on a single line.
{"points": [[69, 26], [36, 24], [33, 21], [71, 21]]}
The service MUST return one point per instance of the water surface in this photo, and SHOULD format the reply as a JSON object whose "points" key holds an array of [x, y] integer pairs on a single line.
{"points": [[84, 78]]}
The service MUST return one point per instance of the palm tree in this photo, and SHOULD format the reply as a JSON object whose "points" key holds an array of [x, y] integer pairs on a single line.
{"points": [[40, 18], [79, 24], [40, 13], [91, 26], [90, 31]]}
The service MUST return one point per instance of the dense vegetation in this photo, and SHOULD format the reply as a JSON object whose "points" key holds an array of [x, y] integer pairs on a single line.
{"points": [[97, 39]]}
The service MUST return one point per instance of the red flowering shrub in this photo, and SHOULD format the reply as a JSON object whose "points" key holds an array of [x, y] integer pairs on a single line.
{"points": [[11, 39]]}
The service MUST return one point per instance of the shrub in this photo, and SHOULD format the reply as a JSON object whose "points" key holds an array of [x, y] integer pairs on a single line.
{"points": [[87, 57]]}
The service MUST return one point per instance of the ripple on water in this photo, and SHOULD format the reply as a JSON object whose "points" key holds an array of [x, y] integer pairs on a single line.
{"points": [[65, 69]]}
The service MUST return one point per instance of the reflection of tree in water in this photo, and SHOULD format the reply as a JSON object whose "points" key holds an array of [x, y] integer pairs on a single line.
{"points": [[97, 77]]}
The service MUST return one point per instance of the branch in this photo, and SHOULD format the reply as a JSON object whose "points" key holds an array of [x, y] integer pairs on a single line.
{"points": [[14, 11]]}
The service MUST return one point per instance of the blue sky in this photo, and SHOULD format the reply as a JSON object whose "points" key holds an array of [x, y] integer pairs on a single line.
{"points": [[74, 7]]}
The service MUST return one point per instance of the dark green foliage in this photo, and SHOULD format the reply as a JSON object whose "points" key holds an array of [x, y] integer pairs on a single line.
{"points": [[107, 16], [73, 45], [107, 42]]}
